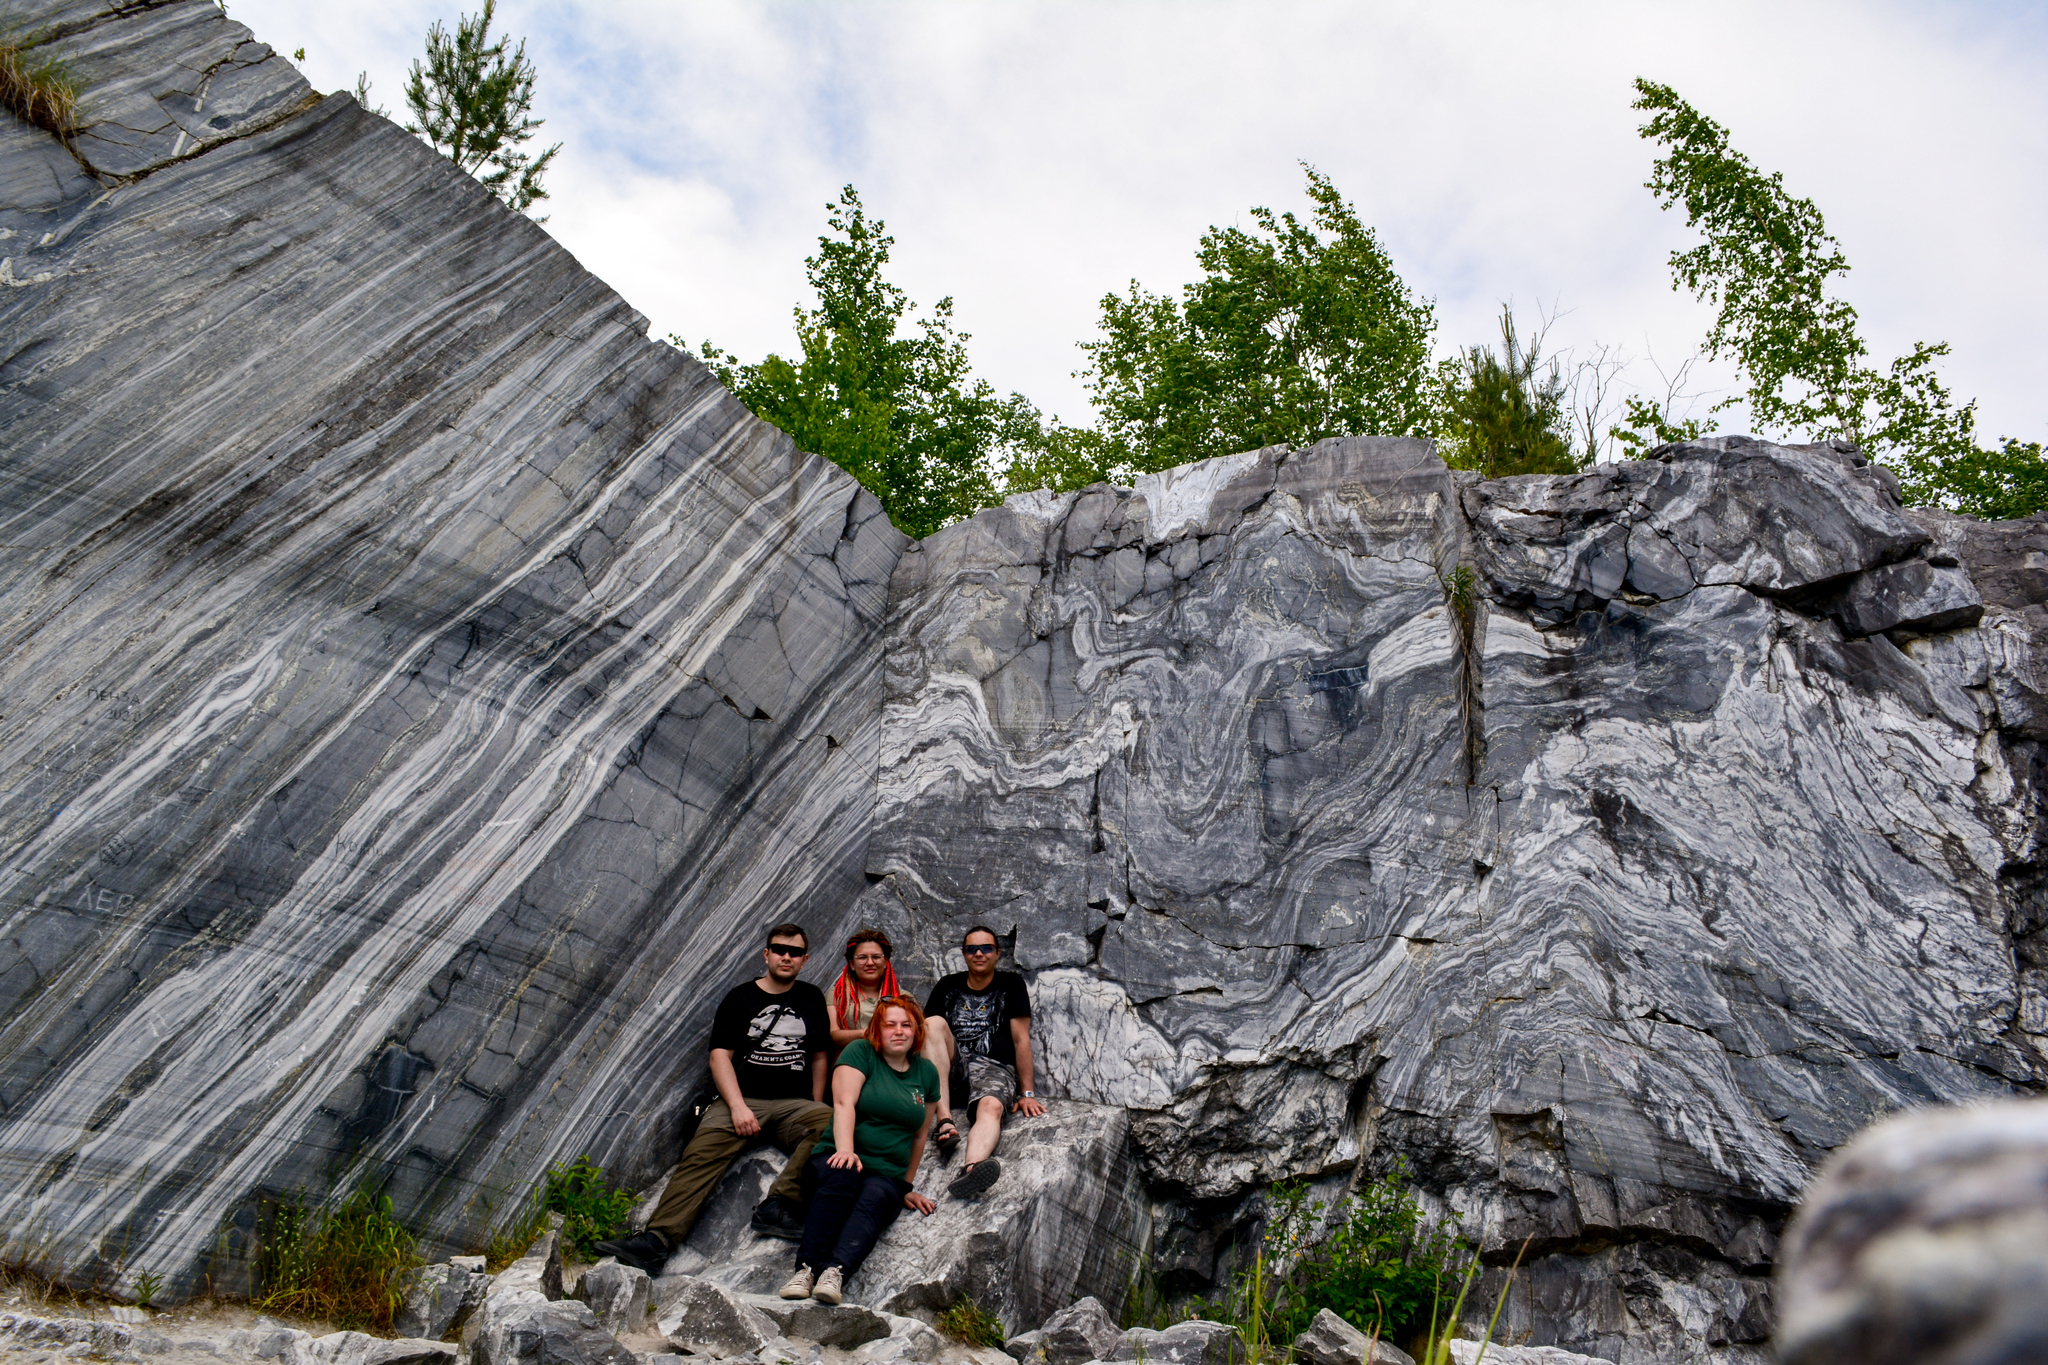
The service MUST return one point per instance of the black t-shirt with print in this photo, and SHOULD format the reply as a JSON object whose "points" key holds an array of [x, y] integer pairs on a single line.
{"points": [[772, 1037], [980, 1020]]}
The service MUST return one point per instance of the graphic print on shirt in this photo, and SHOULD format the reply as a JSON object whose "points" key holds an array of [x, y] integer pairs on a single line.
{"points": [[775, 1038], [974, 1020]]}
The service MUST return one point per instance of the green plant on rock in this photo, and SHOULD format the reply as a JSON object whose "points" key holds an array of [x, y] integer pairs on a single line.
{"points": [[146, 1285], [340, 1263], [592, 1208], [38, 89], [968, 1323], [1376, 1261]]}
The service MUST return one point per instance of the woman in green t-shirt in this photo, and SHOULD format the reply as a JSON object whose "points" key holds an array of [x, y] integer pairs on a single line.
{"points": [[884, 1092]]}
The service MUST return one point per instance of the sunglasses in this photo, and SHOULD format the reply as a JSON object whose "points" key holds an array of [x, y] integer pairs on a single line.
{"points": [[981, 949], [788, 950]]}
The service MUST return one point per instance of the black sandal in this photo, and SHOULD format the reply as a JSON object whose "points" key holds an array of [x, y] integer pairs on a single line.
{"points": [[976, 1178], [946, 1136]]}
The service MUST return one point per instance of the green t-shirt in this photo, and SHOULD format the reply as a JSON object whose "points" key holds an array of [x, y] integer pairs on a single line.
{"points": [[890, 1109]]}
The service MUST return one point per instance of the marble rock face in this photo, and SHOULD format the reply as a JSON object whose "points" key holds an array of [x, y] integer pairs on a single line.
{"points": [[1610, 910], [421, 689]]}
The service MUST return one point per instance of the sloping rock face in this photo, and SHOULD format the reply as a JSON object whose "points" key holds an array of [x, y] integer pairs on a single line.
{"points": [[1609, 910], [421, 689]]}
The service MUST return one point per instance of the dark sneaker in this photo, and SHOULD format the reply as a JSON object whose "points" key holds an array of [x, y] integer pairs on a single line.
{"points": [[777, 1217], [976, 1178], [646, 1251]]}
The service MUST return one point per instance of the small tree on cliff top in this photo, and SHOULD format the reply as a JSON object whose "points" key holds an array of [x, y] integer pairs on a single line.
{"points": [[472, 99], [1767, 264], [1295, 332], [895, 407]]}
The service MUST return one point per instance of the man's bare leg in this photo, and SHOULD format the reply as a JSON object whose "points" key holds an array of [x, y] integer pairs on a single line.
{"points": [[988, 1126], [938, 1049]]}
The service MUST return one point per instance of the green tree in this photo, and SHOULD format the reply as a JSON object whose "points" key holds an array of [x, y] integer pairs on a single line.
{"points": [[896, 410], [472, 100], [1766, 263], [1504, 413], [1296, 331]]}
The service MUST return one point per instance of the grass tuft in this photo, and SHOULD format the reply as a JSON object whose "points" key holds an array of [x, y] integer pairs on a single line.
{"points": [[340, 1265], [968, 1323], [38, 90]]}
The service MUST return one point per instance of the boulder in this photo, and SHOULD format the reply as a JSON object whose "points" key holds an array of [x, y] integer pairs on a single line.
{"points": [[1465, 1352], [521, 1328], [1081, 1332], [617, 1295], [539, 1271], [359, 1348], [1185, 1343], [1912, 594], [1330, 1340], [1063, 1222], [439, 1298], [909, 1340], [697, 1312], [1924, 1239], [829, 1324]]}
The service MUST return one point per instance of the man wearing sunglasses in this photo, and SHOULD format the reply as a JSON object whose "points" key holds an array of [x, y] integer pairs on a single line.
{"points": [[978, 1034], [768, 1044]]}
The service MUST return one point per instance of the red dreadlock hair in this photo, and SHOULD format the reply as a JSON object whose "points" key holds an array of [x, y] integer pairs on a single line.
{"points": [[845, 995]]}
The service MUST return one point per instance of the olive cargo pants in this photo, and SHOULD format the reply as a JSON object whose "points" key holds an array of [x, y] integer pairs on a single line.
{"points": [[792, 1125]]}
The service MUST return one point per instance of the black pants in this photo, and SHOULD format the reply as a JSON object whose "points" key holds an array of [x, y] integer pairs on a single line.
{"points": [[849, 1213]]}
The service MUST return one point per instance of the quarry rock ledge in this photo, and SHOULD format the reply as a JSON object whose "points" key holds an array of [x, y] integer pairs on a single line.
{"points": [[422, 689]]}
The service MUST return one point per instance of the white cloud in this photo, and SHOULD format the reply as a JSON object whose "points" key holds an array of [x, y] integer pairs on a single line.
{"points": [[1030, 157]]}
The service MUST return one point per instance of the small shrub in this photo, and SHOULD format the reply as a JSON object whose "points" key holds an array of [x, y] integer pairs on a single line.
{"points": [[41, 91], [968, 1323], [146, 1285], [339, 1264], [1377, 1264], [592, 1209]]}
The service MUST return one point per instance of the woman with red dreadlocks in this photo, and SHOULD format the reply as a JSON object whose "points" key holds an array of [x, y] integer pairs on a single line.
{"points": [[867, 977]]}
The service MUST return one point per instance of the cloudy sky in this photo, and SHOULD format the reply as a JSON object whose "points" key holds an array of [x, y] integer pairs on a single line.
{"points": [[1031, 157]]}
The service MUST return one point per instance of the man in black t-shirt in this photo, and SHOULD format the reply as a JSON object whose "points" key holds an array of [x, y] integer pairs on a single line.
{"points": [[768, 1046], [978, 1034]]}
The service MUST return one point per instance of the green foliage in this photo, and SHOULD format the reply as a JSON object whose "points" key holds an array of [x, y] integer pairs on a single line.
{"points": [[1295, 332], [897, 411], [1376, 1263], [1504, 414], [1650, 425], [38, 89], [146, 1285], [472, 100], [970, 1324], [2010, 481], [591, 1208], [1765, 263], [338, 1264]]}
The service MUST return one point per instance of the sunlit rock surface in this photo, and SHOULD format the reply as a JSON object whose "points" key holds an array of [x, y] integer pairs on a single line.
{"points": [[420, 690]]}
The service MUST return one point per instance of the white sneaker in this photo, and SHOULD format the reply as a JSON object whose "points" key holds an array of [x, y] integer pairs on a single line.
{"points": [[828, 1290], [799, 1286]]}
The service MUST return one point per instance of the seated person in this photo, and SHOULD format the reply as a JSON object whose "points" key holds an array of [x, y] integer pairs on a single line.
{"points": [[866, 978], [979, 1037], [883, 1095], [768, 1044]]}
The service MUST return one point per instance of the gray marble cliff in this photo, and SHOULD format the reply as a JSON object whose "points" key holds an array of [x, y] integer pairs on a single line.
{"points": [[420, 688]]}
